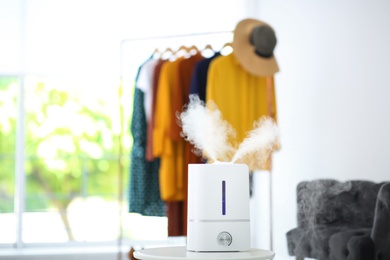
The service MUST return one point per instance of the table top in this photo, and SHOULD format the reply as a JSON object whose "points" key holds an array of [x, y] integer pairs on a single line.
{"points": [[180, 252]]}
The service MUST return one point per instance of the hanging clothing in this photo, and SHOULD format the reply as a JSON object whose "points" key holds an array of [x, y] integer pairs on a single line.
{"points": [[175, 153], [172, 94], [199, 77], [186, 69], [171, 153], [145, 83], [144, 193], [175, 218], [241, 97], [181, 93], [149, 139]]}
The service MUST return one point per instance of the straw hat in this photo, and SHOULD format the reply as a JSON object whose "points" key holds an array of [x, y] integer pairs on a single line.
{"points": [[253, 45]]}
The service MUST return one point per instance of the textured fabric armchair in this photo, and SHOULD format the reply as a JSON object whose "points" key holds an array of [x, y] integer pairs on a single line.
{"points": [[342, 220]]}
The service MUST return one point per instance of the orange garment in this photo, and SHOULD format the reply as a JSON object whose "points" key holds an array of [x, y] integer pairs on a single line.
{"points": [[240, 96], [171, 153], [181, 94], [186, 68], [175, 153]]}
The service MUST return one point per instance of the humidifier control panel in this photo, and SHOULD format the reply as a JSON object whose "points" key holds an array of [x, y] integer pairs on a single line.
{"points": [[218, 208], [224, 239]]}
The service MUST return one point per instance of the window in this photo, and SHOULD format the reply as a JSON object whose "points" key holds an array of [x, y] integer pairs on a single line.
{"points": [[76, 156], [64, 114], [8, 112], [75, 152], [73, 133]]}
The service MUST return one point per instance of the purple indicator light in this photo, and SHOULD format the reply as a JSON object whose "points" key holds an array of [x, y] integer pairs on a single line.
{"points": [[223, 198]]}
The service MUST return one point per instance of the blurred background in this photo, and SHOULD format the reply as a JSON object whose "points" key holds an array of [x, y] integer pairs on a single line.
{"points": [[67, 71]]}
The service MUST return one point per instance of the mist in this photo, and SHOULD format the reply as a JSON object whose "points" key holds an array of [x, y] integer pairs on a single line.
{"points": [[203, 125], [260, 142]]}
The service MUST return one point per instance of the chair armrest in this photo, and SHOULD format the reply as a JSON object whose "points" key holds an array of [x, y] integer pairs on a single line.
{"points": [[381, 227], [352, 244]]}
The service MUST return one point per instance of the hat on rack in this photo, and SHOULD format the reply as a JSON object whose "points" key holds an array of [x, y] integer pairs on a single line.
{"points": [[253, 45]]}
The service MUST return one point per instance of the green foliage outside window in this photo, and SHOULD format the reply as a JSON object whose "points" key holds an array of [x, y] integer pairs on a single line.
{"points": [[77, 144], [8, 90]]}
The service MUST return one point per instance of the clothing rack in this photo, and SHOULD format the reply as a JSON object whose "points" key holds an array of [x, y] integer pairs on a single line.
{"points": [[121, 177], [173, 36], [120, 182], [124, 41]]}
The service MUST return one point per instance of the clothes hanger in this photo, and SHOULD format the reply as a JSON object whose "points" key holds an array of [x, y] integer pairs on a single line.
{"points": [[183, 51], [194, 50], [167, 53], [183, 48], [227, 49], [156, 54], [228, 44], [169, 50], [208, 47], [207, 51]]}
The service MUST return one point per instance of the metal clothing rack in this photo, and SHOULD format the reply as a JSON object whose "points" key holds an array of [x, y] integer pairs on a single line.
{"points": [[123, 42], [120, 182]]}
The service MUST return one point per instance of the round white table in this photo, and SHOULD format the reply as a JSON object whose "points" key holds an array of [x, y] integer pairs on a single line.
{"points": [[181, 253]]}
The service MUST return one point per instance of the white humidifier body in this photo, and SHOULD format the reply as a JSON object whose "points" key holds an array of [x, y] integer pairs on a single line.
{"points": [[218, 207]]}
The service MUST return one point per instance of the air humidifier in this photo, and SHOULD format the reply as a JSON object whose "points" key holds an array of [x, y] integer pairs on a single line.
{"points": [[218, 207]]}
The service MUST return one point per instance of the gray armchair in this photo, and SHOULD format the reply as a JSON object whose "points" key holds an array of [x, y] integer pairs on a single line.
{"points": [[342, 220]]}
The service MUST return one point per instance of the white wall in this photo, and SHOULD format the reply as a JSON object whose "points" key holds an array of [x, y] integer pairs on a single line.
{"points": [[333, 94], [332, 89]]}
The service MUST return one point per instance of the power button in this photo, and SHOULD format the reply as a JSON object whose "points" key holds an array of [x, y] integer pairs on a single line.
{"points": [[224, 239]]}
